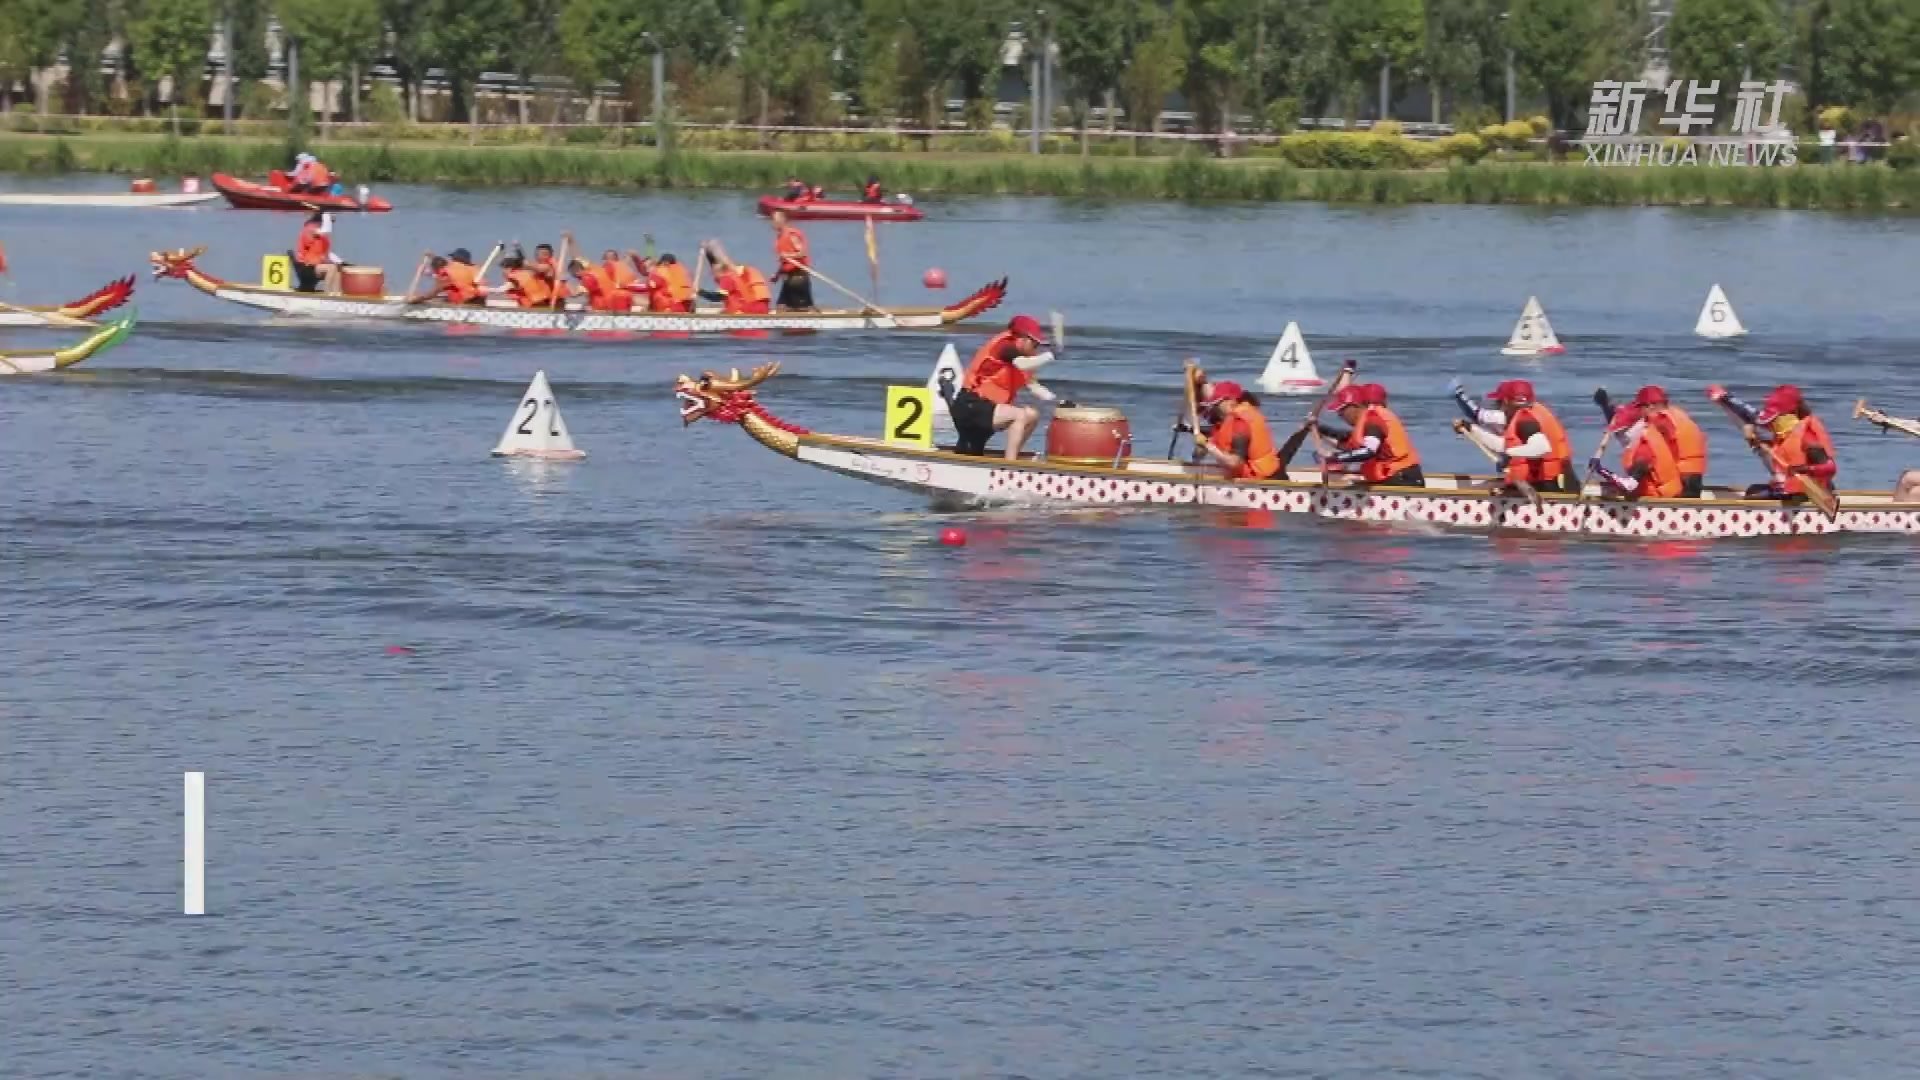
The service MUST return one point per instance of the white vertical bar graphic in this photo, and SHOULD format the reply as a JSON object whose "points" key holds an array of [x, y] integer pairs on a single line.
{"points": [[196, 844]]}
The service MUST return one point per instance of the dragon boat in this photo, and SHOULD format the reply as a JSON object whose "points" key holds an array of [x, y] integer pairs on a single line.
{"points": [[1448, 502], [571, 318], [101, 300], [27, 362], [838, 209]]}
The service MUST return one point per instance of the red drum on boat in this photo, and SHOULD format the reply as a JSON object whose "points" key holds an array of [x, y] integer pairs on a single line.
{"points": [[1080, 435], [363, 281]]}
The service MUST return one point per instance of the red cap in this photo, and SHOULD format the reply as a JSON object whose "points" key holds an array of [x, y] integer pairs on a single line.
{"points": [[1625, 418], [1650, 395], [1513, 390], [1785, 399], [1373, 394], [1027, 326], [1349, 395], [1223, 391]]}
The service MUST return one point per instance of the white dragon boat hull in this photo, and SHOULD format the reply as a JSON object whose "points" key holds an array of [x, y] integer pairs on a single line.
{"points": [[573, 320], [164, 200], [1449, 502]]}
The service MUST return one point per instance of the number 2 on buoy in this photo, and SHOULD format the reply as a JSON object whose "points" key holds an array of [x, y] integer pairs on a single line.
{"points": [[276, 272], [910, 415]]}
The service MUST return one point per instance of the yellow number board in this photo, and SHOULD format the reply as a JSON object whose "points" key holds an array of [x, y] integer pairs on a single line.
{"points": [[276, 272], [910, 415]]}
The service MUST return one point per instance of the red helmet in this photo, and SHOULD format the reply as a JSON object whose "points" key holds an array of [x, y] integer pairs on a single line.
{"points": [[1373, 394], [1784, 399], [1347, 397], [1625, 418], [1513, 392], [1650, 395], [1224, 391], [1029, 327]]}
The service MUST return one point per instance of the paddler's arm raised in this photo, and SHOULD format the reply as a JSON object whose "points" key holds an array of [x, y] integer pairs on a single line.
{"points": [[1471, 409]]}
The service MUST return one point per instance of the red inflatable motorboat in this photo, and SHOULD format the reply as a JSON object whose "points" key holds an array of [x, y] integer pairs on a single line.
{"points": [[835, 210], [277, 194]]}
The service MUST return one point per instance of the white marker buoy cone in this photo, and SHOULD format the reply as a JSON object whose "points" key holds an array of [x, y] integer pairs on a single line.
{"points": [[1533, 335], [949, 362], [1717, 319], [1290, 369], [536, 429]]}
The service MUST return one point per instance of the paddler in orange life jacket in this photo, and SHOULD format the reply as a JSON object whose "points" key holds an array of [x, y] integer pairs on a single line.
{"points": [[1684, 437], [1531, 447], [792, 265], [619, 272], [548, 267], [1798, 439], [1376, 445], [602, 293], [310, 177], [984, 403], [669, 289], [743, 289], [456, 280], [527, 286], [1241, 442], [314, 261], [1652, 472], [872, 193]]}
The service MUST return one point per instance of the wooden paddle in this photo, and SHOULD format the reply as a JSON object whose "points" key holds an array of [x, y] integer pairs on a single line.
{"points": [[560, 272], [865, 304], [1186, 413], [1816, 492], [498, 247], [1527, 490], [1311, 426], [418, 269], [1884, 422], [53, 317]]}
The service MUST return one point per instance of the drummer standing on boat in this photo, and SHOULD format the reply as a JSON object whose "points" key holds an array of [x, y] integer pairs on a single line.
{"points": [[793, 266], [1241, 442], [984, 403], [314, 260]]}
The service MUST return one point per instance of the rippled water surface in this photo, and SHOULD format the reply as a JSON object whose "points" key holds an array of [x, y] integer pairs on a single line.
{"points": [[689, 761]]}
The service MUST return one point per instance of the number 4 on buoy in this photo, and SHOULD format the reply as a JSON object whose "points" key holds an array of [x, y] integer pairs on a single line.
{"points": [[910, 415]]}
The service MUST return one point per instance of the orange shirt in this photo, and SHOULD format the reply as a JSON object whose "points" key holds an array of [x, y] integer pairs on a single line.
{"points": [[313, 247], [790, 247], [461, 281], [992, 377], [529, 288], [746, 290]]}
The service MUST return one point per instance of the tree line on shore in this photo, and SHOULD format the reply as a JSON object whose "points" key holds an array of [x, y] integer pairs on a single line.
{"points": [[813, 61]]}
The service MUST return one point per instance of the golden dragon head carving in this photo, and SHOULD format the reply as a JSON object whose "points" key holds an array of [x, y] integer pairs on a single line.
{"points": [[174, 263], [715, 394]]}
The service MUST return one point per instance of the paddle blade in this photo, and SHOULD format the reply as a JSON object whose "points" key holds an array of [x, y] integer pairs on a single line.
{"points": [[1059, 327]]}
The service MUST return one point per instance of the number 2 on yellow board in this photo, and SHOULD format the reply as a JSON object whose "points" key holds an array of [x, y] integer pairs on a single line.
{"points": [[910, 415]]}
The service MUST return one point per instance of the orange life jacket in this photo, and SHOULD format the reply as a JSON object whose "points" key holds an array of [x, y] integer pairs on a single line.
{"points": [[1559, 455], [461, 281], [672, 288], [873, 193], [746, 290], [992, 378], [1396, 451], [1663, 471], [322, 176], [1689, 443], [620, 272], [790, 247], [1791, 450], [529, 288], [1261, 461], [602, 294], [313, 246]]}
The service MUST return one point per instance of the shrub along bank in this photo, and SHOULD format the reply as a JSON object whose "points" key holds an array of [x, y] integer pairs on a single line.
{"points": [[1374, 167]]}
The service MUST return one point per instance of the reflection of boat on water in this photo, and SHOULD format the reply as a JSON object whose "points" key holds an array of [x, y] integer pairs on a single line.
{"points": [[104, 299], [180, 264], [1458, 501], [837, 210], [28, 362]]}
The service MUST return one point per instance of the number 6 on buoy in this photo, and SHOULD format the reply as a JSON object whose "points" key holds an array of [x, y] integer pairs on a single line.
{"points": [[910, 416]]}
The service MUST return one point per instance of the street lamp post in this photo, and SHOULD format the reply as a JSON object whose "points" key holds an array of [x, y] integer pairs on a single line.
{"points": [[1504, 32], [1033, 87]]}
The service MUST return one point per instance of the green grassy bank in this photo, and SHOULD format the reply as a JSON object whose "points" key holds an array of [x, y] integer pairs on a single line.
{"points": [[1856, 187]]}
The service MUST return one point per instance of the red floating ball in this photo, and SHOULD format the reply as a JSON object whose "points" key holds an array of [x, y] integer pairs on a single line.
{"points": [[934, 278], [953, 538]]}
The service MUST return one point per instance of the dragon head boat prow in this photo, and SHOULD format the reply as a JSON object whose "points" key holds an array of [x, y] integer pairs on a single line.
{"points": [[177, 263], [730, 400]]}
